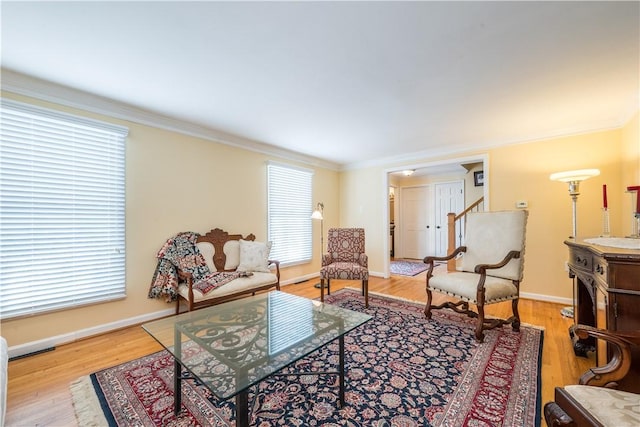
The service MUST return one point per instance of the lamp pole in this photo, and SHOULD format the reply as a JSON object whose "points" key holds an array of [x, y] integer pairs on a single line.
{"points": [[318, 213], [574, 192]]}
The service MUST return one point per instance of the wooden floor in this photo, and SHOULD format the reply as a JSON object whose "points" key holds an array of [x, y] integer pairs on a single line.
{"points": [[38, 393]]}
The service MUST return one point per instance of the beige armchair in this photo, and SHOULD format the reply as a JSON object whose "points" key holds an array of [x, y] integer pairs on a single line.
{"points": [[595, 401], [490, 268], [345, 260]]}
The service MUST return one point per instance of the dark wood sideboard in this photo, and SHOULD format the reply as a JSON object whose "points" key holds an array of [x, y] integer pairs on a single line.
{"points": [[606, 295]]}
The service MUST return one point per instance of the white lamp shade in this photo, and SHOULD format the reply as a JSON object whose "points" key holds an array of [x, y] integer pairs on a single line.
{"points": [[316, 214], [577, 175]]}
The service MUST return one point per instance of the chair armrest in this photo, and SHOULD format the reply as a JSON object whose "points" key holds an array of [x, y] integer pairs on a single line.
{"points": [[630, 337], [481, 268], [555, 416], [277, 264], [621, 342], [431, 259], [363, 260], [326, 260], [185, 276]]}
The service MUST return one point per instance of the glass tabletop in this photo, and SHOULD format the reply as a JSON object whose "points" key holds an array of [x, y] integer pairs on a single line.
{"points": [[232, 346]]}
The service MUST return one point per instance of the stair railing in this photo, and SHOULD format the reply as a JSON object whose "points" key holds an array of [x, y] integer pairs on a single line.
{"points": [[452, 220]]}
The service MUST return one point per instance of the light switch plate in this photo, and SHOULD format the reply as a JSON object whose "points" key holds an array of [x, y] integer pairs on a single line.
{"points": [[522, 204]]}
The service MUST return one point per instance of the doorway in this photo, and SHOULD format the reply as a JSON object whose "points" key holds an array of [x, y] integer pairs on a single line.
{"points": [[423, 218], [393, 178]]}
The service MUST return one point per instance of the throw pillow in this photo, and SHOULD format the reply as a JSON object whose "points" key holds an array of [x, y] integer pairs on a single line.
{"points": [[254, 256]]}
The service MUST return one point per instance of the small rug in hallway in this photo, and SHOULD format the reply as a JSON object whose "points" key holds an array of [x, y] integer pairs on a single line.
{"points": [[407, 268], [402, 370]]}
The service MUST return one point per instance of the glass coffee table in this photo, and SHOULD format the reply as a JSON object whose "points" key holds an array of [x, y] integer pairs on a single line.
{"points": [[232, 346]]}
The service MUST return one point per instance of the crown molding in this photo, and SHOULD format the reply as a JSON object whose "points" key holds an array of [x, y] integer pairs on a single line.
{"points": [[445, 151], [22, 84], [32, 87]]}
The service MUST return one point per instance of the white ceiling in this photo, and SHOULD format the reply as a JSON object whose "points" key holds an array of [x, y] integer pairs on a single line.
{"points": [[347, 82]]}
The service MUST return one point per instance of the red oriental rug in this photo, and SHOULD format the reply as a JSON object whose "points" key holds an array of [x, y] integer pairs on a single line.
{"points": [[402, 370]]}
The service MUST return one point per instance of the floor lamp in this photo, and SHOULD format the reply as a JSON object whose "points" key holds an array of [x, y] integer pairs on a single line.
{"points": [[573, 178], [319, 214]]}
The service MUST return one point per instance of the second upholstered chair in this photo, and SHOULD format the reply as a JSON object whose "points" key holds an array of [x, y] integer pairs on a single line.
{"points": [[490, 268], [345, 260]]}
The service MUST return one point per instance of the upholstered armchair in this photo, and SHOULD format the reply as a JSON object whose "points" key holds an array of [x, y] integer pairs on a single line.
{"points": [[345, 260], [595, 401], [490, 266]]}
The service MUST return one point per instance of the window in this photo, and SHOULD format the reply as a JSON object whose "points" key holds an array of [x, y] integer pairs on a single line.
{"points": [[62, 201], [289, 213]]}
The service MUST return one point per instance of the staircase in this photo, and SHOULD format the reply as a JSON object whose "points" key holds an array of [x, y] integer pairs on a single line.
{"points": [[459, 220]]}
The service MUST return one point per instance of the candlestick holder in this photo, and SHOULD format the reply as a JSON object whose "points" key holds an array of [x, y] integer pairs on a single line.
{"points": [[635, 213], [605, 223]]}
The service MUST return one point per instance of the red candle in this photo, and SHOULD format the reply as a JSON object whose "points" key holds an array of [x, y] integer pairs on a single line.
{"points": [[604, 196]]}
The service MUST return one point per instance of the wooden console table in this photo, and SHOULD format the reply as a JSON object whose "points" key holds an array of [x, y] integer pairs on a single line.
{"points": [[606, 295]]}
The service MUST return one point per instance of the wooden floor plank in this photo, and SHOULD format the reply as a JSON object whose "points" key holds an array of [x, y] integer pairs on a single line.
{"points": [[38, 389]]}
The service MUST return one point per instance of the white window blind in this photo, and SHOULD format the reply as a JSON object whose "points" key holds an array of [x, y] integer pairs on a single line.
{"points": [[62, 210], [289, 213]]}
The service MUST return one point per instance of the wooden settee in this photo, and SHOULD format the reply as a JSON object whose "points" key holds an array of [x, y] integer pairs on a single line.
{"points": [[222, 252]]}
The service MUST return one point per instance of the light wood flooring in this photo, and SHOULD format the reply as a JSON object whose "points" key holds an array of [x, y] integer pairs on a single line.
{"points": [[38, 392]]}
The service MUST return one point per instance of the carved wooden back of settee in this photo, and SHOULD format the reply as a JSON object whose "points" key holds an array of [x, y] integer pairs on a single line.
{"points": [[218, 237]]}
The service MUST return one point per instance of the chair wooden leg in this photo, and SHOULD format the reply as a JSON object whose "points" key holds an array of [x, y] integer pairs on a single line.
{"points": [[178, 305], [480, 325], [321, 290], [365, 292], [516, 316], [427, 309], [328, 286]]}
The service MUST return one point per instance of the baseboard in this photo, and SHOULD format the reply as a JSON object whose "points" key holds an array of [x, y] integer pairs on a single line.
{"points": [[546, 298], [299, 279], [40, 345]]}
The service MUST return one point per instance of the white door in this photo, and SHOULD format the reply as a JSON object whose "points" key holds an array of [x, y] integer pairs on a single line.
{"points": [[449, 197], [415, 219]]}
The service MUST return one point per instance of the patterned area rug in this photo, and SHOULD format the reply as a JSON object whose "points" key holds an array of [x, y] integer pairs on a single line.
{"points": [[402, 370], [407, 268]]}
